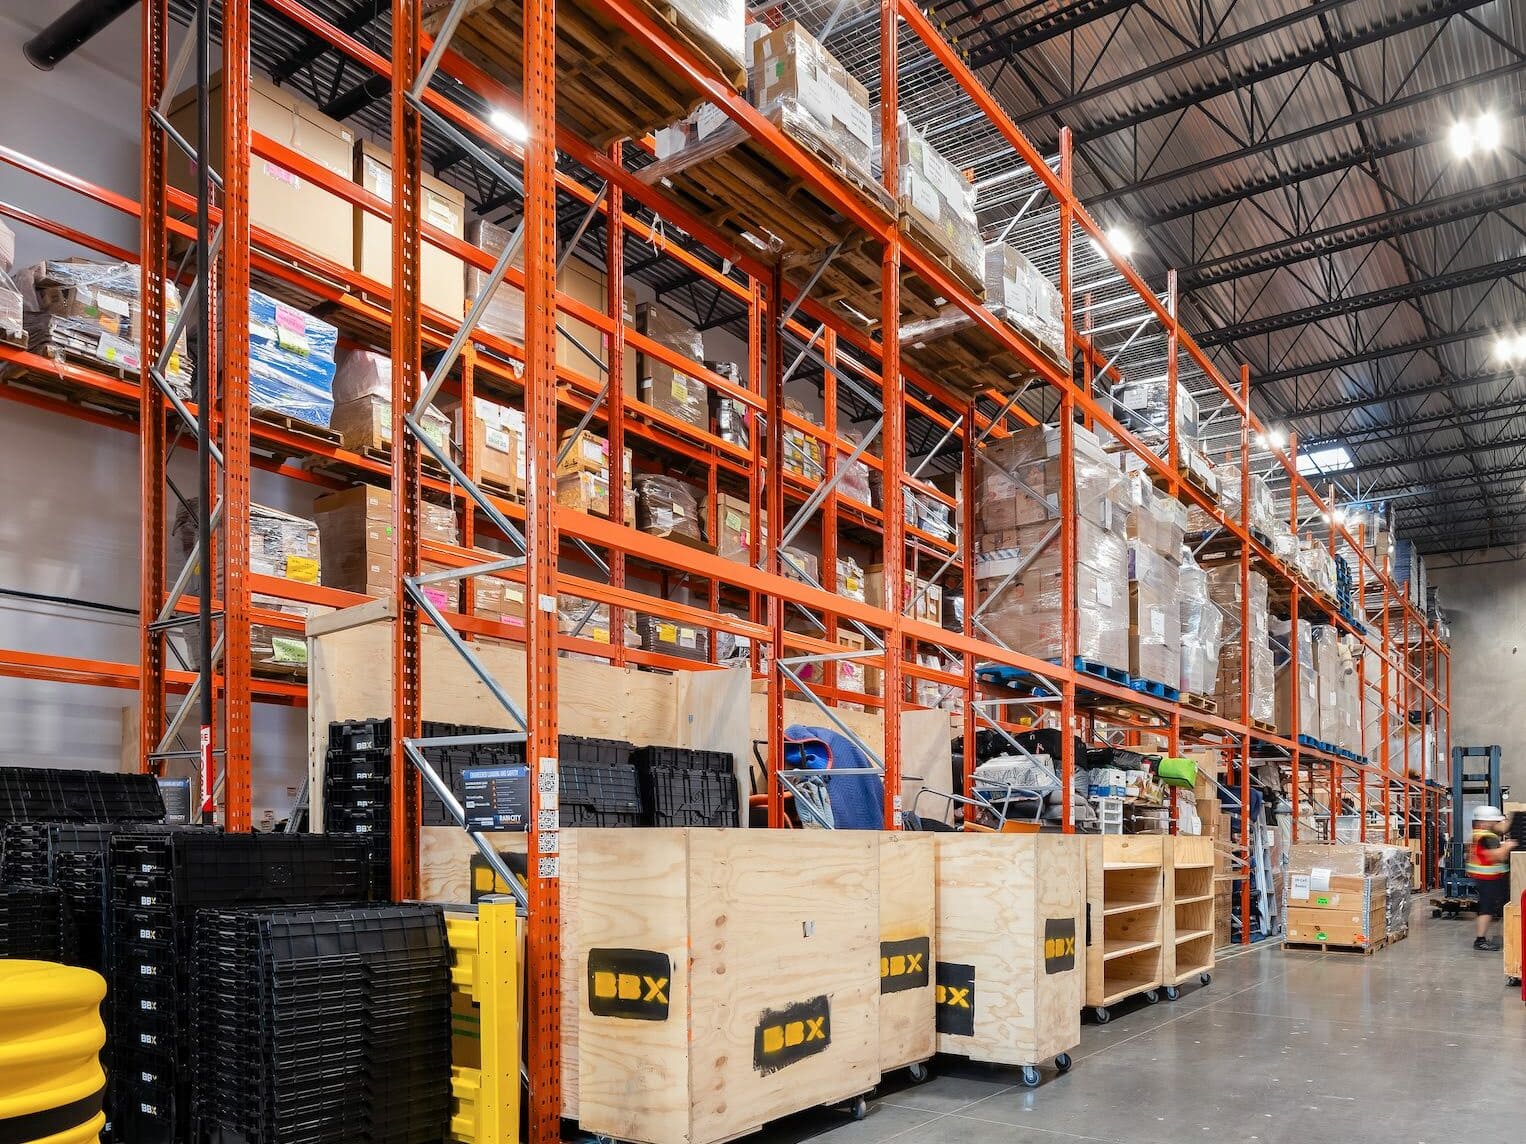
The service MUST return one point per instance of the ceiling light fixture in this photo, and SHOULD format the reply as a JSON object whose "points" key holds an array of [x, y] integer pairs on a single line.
{"points": [[1120, 240], [1481, 133], [1510, 348]]}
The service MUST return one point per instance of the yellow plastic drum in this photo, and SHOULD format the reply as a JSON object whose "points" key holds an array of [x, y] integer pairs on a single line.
{"points": [[51, 1083]]}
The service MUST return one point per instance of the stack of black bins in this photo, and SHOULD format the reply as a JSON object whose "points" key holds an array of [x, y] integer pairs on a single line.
{"points": [[599, 784], [356, 789], [322, 1026], [158, 882], [39, 794], [683, 787], [34, 924]]}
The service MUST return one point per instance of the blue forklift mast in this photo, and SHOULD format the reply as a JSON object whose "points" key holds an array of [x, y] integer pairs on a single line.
{"points": [[1475, 782]]}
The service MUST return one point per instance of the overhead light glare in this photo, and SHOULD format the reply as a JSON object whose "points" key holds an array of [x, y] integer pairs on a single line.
{"points": [[1510, 348], [1479, 133], [1120, 240], [510, 124]]}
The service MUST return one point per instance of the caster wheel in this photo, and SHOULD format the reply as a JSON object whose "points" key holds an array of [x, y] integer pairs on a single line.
{"points": [[1102, 1014], [1513, 982], [918, 1072], [1063, 1063], [1205, 978], [859, 1108], [1030, 1076], [1172, 992], [1435, 913], [1152, 997]]}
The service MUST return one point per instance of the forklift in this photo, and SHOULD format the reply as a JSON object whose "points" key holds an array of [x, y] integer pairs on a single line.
{"points": [[1475, 782]]}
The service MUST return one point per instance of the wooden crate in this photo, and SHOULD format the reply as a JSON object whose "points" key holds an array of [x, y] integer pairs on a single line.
{"points": [[1011, 924], [1512, 942], [724, 978], [1126, 903], [908, 918], [1188, 915]]}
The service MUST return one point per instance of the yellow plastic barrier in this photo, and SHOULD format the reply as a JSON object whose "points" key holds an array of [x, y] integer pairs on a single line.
{"points": [[51, 1083]]}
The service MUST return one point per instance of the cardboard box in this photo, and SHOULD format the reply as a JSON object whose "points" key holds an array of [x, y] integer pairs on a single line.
{"points": [[929, 608], [799, 85], [667, 388], [355, 537], [585, 492], [497, 448], [442, 285], [366, 423], [589, 453], [281, 202], [1336, 892], [1337, 927], [733, 527]]}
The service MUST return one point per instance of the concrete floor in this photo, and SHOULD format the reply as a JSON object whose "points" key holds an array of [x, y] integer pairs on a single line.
{"points": [[1419, 1043]]}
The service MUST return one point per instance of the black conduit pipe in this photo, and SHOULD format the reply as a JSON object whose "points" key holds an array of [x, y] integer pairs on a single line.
{"points": [[73, 30]]}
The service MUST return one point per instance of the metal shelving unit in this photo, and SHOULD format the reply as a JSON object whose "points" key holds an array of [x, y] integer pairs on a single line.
{"points": [[571, 195]]}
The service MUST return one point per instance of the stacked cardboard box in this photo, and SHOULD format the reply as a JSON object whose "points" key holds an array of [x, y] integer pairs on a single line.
{"points": [[83, 309], [1296, 675], [1336, 894], [1016, 505], [582, 475], [497, 453], [733, 527], [1239, 698], [441, 281], [1314, 560], [280, 201], [1202, 631], [363, 404], [920, 599], [11, 305], [803, 452], [666, 387], [938, 199], [802, 89], [1156, 525], [355, 537], [1017, 292], [1330, 669]]}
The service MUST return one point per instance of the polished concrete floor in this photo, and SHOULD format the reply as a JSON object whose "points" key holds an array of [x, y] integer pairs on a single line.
{"points": [[1421, 1043]]}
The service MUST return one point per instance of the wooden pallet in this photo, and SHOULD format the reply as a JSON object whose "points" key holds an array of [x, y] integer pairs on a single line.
{"points": [[608, 84], [739, 186], [971, 360], [1263, 726], [1330, 947], [1200, 703], [318, 434]]}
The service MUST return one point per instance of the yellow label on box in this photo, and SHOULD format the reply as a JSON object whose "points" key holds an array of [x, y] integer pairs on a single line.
{"points": [[667, 633], [680, 387], [598, 635], [303, 569]]}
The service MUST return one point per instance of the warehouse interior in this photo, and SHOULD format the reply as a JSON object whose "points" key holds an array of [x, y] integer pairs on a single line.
{"points": [[449, 640]]}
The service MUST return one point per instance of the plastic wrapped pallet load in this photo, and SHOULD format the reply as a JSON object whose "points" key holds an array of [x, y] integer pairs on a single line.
{"points": [[1301, 678], [1156, 523], [1202, 631], [1017, 292], [937, 200], [79, 308], [1018, 557], [291, 361], [1397, 865], [804, 91], [662, 385], [1240, 698], [1337, 894]]}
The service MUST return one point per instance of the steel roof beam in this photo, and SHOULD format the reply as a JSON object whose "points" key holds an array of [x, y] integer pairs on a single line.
{"points": [[1405, 219], [1040, 30], [1279, 179], [1330, 365], [1423, 14], [1458, 419], [1313, 131], [316, 48], [1355, 303], [1450, 454]]}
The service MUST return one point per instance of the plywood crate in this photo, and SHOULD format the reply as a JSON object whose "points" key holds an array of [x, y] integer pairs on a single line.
{"points": [[1188, 917], [722, 978], [1011, 923], [1512, 942], [908, 917], [1125, 950]]}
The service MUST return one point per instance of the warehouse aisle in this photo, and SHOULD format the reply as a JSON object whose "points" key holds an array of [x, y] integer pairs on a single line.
{"points": [[1281, 1049]]}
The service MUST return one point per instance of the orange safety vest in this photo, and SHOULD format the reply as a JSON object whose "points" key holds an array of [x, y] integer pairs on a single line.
{"points": [[1481, 862]]}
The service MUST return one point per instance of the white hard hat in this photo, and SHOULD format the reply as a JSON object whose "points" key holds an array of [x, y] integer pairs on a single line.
{"points": [[1487, 814]]}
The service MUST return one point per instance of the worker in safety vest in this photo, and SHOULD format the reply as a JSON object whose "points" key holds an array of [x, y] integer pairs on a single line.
{"points": [[1489, 867]]}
